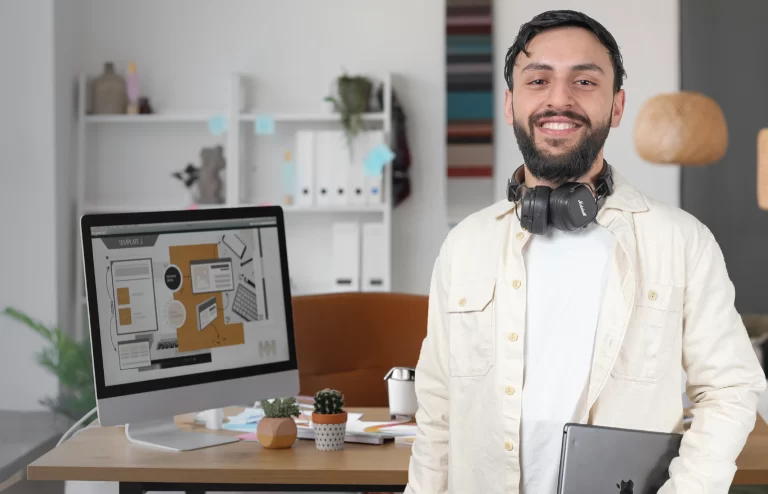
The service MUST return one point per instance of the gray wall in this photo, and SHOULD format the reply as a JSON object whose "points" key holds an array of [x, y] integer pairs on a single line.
{"points": [[723, 44]]}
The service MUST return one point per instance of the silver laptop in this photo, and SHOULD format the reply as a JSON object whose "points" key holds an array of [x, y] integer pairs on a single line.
{"points": [[597, 459]]}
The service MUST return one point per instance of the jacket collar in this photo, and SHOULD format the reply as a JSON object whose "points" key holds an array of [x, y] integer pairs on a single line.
{"points": [[625, 197]]}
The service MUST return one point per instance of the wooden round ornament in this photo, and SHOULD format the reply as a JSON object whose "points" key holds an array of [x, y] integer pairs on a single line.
{"points": [[684, 128], [762, 169]]}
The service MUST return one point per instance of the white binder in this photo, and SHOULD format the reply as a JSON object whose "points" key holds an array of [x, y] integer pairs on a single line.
{"points": [[374, 263], [356, 172], [330, 149], [305, 168], [341, 171], [346, 256]]}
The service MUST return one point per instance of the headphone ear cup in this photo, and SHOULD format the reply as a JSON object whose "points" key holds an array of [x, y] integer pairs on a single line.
{"points": [[572, 207], [535, 210]]}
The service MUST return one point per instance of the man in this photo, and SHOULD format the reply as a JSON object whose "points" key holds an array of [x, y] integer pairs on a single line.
{"points": [[530, 328]]}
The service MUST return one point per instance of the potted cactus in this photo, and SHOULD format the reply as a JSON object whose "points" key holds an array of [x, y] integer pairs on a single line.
{"points": [[277, 430], [329, 420]]}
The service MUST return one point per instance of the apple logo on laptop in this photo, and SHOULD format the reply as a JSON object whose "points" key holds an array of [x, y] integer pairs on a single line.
{"points": [[626, 487]]}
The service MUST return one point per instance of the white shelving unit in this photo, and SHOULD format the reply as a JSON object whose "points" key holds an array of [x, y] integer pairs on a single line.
{"points": [[306, 226]]}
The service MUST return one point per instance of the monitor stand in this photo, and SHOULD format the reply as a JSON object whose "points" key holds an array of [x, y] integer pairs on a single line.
{"points": [[164, 434]]}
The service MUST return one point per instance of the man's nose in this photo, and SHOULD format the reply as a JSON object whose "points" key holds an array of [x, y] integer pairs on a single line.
{"points": [[560, 96]]}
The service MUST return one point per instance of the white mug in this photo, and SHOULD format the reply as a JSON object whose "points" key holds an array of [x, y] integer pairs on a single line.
{"points": [[214, 419], [401, 385]]}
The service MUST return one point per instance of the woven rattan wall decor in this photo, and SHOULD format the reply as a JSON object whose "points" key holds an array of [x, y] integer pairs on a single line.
{"points": [[683, 128]]}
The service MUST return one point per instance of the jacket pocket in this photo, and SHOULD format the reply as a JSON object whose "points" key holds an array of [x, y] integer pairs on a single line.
{"points": [[650, 337], [470, 321]]}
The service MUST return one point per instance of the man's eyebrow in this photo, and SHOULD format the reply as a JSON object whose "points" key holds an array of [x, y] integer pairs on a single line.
{"points": [[593, 67], [537, 66], [587, 67]]}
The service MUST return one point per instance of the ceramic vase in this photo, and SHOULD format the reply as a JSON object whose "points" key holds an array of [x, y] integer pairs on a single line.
{"points": [[330, 430], [276, 433], [109, 92]]}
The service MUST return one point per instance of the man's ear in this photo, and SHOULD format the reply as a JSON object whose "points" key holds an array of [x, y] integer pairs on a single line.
{"points": [[509, 113], [618, 107]]}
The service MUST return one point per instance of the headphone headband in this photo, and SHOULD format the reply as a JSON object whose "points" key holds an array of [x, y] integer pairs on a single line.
{"points": [[571, 206], [604, 183]]}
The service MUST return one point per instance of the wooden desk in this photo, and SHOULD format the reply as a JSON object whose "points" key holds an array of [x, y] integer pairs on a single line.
{"points": [[104, 454], [753, 462]]}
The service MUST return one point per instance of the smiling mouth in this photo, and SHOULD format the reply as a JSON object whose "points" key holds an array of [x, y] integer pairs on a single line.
{"points": [[559, 125]]}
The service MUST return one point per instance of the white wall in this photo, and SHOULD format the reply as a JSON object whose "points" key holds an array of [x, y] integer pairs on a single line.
{"points": [[28, 278], [295, 49], [652, 63]]}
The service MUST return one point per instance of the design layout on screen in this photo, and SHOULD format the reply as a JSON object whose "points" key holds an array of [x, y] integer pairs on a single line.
{"points": [[185, 298]]}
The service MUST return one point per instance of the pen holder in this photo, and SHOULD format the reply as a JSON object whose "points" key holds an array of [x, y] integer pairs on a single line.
{"points": [[401, 387], [214, 419]]}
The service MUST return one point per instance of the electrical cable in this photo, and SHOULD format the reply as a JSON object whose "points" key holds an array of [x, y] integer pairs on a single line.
{"points": [[77, 424]]}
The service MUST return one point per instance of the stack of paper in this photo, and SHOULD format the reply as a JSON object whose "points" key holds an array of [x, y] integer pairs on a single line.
{"points": [[245, 421], [396, 428]]}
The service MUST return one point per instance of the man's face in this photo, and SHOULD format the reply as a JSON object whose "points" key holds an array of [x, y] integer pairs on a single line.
{"points": [[562, 104]]}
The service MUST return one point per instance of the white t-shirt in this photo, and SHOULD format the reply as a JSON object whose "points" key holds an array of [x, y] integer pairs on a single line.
{"points": [[566, 274]]}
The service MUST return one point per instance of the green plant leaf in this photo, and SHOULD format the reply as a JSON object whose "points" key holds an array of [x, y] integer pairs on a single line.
{"points": [[67, 359]]}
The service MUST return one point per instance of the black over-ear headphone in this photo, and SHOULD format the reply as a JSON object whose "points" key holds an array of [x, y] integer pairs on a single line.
{"points": [[569, 207]]}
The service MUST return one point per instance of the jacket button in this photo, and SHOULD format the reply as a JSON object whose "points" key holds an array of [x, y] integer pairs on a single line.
{"points": [[652, 295], [508, 446], [516, 284], [512, 336], [462, 302], [509, 390], [520, 235]]}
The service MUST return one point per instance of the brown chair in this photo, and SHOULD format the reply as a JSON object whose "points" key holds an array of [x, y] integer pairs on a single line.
{"points": [[349, 341]]}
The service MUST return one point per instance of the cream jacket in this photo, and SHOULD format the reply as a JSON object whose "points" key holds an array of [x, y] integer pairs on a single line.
{"points": [[668, 301]]}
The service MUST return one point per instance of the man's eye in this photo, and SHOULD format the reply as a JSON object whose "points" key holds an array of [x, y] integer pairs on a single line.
{"points": [[584, 82], [537, 81]]}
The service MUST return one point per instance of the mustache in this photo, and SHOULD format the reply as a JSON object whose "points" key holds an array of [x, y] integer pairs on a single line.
{"points": [[576, 117]]}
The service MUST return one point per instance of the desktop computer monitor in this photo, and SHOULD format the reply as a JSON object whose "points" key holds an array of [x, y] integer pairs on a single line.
{"points": [[189, 311]]}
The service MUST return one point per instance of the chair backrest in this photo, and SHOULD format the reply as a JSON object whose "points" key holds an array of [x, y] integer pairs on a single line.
{"points": [[348, 341]]}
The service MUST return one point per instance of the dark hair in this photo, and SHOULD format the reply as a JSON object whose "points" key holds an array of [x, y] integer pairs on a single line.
{"points": [[562, 18]]}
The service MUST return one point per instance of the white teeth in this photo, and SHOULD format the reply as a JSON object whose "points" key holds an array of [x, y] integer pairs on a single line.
{"points": [[558, 125]]}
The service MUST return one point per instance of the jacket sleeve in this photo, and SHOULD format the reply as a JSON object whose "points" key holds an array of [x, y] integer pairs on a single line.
{"points": [[725, 379], [428, 469]]}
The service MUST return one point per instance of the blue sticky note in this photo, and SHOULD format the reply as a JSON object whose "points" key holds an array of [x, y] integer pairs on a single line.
{"points": [[376, 159], [217, 125], [264, 125]]}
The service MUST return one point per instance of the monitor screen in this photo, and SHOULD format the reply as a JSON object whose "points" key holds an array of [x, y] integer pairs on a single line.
{"points": [[186, 298]]}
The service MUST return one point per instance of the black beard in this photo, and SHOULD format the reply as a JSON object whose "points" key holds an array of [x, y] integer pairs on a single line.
{"points": [[568, 166]]}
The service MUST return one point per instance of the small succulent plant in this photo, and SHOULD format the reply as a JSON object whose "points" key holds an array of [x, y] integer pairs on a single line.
{"points": [[329, 402], [280, 408]]}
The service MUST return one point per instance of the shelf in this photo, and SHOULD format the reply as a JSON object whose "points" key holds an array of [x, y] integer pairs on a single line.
{"points": [[138, 208], [135, 208], [152, 118], [308, 117], [363, 208]]}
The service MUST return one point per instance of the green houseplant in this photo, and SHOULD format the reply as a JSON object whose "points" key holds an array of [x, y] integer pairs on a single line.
{"points": [[277, 430], [329, 420], [353, 94], [67, 359]]}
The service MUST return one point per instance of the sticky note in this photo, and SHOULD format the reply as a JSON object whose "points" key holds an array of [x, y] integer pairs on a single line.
{"points": [[264, 125], [376, 159], [217, 125]]}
